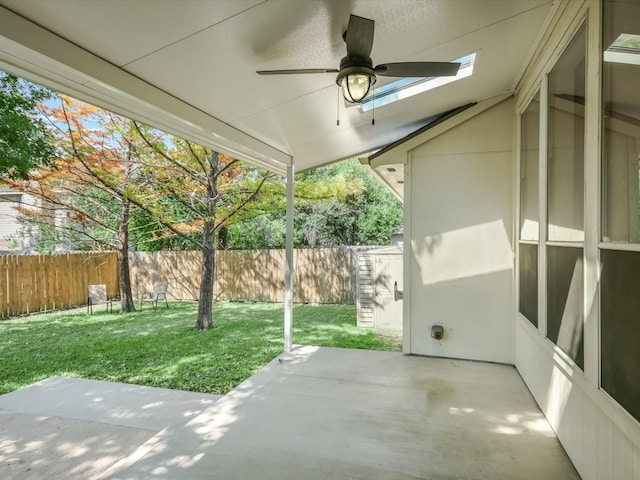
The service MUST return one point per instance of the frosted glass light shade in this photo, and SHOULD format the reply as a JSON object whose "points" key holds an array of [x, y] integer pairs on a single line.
{"points": [[356, 86]]}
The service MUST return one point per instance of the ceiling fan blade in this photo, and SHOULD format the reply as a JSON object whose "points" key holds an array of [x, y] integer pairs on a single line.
{"points": [[417, 69], [297, 71], [359, 37]]}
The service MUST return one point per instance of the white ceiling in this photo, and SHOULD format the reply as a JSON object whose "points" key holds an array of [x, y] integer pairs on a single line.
{"points": [[188, 66]]}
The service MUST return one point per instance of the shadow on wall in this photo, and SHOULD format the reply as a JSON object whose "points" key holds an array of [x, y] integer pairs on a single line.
{"points": [[383, 282], [468, 252]]}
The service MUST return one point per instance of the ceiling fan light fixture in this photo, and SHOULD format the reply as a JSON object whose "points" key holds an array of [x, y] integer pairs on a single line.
{"points": [[357, 74], [355, 83]]}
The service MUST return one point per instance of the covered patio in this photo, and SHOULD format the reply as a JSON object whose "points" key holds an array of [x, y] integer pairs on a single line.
{"points": [[520, 183], [312, 413]]}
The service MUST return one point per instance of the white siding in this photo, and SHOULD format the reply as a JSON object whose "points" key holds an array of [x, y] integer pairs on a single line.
{"points": [[10, 229], [600, 438]]}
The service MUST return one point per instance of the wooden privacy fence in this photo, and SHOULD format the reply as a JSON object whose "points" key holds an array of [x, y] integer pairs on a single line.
{"points": [[35, 283], [320, 275]]}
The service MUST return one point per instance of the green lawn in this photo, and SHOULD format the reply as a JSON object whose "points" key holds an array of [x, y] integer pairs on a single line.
{"points": [[161, 349]]}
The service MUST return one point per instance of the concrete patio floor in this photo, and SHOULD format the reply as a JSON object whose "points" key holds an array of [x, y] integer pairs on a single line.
{"points": [[314, 413]]}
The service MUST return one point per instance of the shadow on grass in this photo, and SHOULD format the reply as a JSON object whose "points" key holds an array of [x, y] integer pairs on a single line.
{"points": [[162, 349]]}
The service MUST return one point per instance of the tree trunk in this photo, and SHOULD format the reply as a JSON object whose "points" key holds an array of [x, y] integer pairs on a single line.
{"points": [[223, 233], [127, 303], [205, 305], [205, 302]]}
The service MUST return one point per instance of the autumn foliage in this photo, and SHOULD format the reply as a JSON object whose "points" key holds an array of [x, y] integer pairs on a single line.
{"points": [[116, 184]]}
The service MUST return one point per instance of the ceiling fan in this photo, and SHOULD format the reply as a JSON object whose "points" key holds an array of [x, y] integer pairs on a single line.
{"points": [[357, 73]]}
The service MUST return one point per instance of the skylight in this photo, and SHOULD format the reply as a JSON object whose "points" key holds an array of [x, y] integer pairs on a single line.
{"points": [[625, 49], [408, 87]]}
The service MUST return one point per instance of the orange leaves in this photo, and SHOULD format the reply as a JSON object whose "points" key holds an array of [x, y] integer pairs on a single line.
{"points": [[174, 187], [190, 228]]}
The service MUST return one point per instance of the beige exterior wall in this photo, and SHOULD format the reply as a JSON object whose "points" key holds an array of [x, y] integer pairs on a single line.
{"points": [[460, 210]]}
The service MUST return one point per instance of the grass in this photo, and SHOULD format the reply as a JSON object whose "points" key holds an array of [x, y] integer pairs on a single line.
{"points": [[162, 349]]}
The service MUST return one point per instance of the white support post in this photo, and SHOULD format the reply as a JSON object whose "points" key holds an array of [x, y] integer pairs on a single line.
{"points": [[542, 206], [288, 272], [592, 200], [407, 256]]}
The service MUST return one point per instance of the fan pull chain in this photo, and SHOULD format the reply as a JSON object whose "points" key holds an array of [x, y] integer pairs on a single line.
{"points": [[338, 109], [373, 108]]}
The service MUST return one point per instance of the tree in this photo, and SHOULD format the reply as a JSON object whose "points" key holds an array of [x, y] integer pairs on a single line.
{"points": [[114, 176], [118, 183], [25, 141], [340, 204], [210, 190], [86, 194]]}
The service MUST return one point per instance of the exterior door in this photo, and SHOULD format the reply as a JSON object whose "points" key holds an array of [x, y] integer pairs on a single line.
{"points": [[387, 311]]}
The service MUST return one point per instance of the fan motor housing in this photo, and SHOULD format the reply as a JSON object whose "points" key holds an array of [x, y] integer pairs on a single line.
{"points": [[348, 61], [353, 66]]}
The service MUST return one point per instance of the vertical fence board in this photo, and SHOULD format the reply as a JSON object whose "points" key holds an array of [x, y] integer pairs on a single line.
{"points": [[15, 293], [4, 301]]}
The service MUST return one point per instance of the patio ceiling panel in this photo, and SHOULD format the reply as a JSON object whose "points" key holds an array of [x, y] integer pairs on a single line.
{"points": [[189, 67], [37, 54], [318, 140], [219, 66], [90, 23]]}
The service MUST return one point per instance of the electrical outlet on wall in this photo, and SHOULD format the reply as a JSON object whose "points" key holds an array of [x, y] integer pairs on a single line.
{"points": [[437, 332]]}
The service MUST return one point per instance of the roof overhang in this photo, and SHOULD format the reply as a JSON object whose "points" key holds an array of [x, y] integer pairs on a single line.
{"points": [[188, 67], [32, 52]]}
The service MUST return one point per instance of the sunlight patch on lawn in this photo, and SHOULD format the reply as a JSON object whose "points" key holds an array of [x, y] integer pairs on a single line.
{"points": [[161, 348]]}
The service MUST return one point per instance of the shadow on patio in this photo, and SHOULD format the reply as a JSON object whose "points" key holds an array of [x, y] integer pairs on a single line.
{"points": [[315, 413]]}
